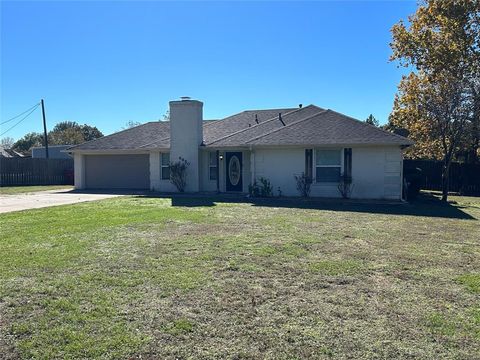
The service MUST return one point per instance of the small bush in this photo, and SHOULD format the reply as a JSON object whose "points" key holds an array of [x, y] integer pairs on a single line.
{"points": [[264, 189], [304, 184], [253, 189], [345, 186], [178, 173]]}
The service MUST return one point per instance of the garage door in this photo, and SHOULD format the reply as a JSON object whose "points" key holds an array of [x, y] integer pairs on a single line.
{"points": [[117, 171]]}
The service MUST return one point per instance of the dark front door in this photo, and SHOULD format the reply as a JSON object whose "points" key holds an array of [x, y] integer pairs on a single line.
{"points": [[234, 171]]}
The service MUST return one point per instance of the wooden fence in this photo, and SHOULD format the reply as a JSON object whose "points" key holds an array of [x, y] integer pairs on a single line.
{"points": [[33, 171], [463, 178]]}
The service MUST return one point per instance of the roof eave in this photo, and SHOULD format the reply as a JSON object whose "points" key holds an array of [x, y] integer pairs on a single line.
{"points": [[343, 144], [108, 151]]}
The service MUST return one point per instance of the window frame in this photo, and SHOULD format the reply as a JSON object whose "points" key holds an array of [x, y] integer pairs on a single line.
{"points": [[316, 166], [212, 166], [163, 166]]}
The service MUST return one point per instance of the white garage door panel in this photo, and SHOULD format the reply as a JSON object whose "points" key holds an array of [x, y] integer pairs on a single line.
{"points": [[117, 171]]}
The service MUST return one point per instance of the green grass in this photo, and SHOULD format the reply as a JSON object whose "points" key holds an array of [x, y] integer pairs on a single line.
{"points": [[336, 267], [137, 277], [178, 327], [471, 281], [12, 190]]}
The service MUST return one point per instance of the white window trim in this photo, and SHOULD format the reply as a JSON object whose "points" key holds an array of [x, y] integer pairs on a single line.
{"points": [[163, 166], [210, 166], [314, 160]]}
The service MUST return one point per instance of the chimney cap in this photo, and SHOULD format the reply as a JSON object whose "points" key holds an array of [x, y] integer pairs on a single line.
{"points": [[185, 98]]}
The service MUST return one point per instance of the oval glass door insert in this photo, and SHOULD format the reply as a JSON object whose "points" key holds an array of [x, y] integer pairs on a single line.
{"points": [[234, 170]]}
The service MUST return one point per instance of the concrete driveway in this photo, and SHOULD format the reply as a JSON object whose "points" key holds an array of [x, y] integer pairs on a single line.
{"points": [[17, 202]]}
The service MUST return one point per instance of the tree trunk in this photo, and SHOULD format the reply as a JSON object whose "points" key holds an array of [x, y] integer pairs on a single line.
{"points": [[445, 178]]}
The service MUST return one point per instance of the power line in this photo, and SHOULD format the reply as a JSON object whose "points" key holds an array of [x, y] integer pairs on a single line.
{"points": [[10, 128], [13, 118]]}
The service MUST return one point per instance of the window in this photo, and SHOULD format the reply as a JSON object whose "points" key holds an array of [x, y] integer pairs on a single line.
{"points": [[328, 165], [309, 164], [347, 162], [212, 167], [165, 166]]}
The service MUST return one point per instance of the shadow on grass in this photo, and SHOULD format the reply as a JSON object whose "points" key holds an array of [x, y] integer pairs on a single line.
{"points": [[425, 205]]}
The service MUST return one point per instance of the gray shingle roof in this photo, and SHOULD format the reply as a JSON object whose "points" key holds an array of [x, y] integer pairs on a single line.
{"points": [[310, 125], [328, 128], [237, 122], [130, 139], [241, 137]]}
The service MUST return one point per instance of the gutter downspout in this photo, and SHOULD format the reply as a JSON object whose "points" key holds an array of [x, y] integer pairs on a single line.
{"points": [[402, 195], [218, 170], [252, 165]]}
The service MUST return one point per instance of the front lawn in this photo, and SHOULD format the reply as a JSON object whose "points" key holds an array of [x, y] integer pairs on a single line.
{"points": [[139, 277], [13, 190]]}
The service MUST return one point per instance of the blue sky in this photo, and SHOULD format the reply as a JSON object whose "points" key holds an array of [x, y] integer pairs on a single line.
{"points": [[105, 63]]}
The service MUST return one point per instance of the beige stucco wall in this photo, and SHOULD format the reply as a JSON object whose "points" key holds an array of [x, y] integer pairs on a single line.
{"points": [[376, 172], [205, 183], [279, 166], [156, 182]]}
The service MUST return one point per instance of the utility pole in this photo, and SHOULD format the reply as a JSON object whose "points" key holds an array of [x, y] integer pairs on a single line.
{"points": [[45, 129]]}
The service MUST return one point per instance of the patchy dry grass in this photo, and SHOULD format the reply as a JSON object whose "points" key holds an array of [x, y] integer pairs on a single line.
{"points": [[139, 278], [12, 190]]}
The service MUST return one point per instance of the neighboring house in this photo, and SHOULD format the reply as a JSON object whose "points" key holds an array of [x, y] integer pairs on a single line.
{"points": [[9, 153], [54, 152], [229, 154]]}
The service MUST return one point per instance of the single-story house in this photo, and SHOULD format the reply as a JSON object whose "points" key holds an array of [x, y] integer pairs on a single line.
{"points": [[228, 155]]}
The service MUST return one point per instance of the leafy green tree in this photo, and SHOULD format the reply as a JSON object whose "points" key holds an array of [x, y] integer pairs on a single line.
{"points": [[90, 132], [372, 120], [68, 136], [63, 133], [408, 113], [436, 103], [24, 144], [64, 125], [71, 133], [473, 142]]}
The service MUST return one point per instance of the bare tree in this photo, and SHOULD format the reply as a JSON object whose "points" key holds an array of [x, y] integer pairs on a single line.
{"points": [[7, 142], [130, 124]]}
